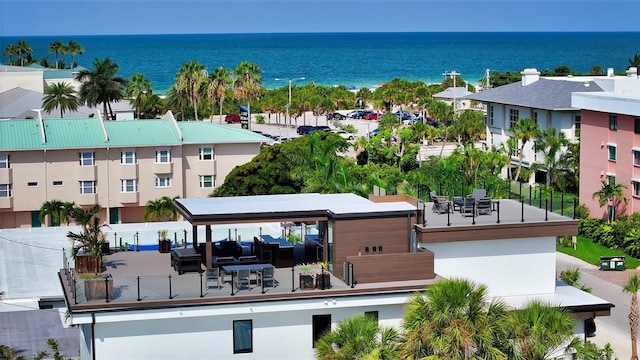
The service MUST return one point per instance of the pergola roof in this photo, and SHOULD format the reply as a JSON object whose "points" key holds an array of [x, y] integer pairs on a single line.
{"points": [[286, 207]]}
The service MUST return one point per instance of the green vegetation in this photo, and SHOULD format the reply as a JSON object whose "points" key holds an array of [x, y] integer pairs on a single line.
{"points": [[590, 251]]}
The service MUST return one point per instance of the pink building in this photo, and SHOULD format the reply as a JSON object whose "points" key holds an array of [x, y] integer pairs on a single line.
{"points": [[610, 146]]}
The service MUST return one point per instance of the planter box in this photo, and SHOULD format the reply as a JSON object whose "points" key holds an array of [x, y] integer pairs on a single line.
{"points": [[323, 281], [96, 289], [306, 282], [164, 246], [87, 264]]}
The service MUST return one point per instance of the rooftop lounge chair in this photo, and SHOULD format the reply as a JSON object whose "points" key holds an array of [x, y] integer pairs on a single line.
{"points": [[468, 207], [441, 204], [483, 206]]}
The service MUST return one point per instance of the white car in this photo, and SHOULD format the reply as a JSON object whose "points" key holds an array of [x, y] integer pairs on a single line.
{"points": [[344, 134]]}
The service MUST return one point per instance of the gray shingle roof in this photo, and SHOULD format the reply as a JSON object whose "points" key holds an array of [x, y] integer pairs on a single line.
{"points": [[543, 94]]}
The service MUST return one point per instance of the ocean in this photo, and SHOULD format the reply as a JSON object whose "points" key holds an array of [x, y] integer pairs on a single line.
{"points": [[351, 59]]}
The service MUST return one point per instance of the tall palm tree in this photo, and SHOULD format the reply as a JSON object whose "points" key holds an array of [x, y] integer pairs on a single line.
{"points": [[632, 287], [10, 51], [57, 47], [247, 83], [359, 337], [24, 49], [73, 48], [538, 330], [219, 83], [101, 85], [189, 80], [62, 96], [454, 319], [610, 194], [524, 130], [468, 126], [137, 87]]}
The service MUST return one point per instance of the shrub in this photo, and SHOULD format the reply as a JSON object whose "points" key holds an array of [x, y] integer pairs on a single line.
{"points": [[260, 119], [348, 128]]}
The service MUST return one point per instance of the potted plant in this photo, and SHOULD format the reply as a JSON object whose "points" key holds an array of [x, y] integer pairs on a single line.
{"points": [[164, 243], [323, 277], [306, 277], [87, 251]]}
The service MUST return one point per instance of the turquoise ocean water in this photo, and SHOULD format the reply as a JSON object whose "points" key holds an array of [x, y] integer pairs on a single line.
{"points": [[352, 59]]}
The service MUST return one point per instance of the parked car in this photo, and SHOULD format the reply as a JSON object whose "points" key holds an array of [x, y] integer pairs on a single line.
{"points": [[404, 116], [232, 118], [344, 134], [336, 116], [373, 132], [412, 121], [358, 114], [302, 129], [317, 128], [372, 116]]}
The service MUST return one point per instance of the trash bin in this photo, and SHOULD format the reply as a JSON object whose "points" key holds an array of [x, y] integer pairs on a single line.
{"points": [[608, 263]]}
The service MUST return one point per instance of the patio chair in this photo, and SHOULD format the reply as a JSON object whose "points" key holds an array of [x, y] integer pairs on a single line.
{"points": [[266, 276], [213, 276], [468, 207], [242, 279], [440, 203], [483, 206], [479, 193]]}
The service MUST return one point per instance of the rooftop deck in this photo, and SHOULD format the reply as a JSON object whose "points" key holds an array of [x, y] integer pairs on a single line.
{"points": [[146, 279]]}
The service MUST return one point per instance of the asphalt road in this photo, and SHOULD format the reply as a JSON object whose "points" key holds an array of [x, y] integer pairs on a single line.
{"points": [[612, 329]]}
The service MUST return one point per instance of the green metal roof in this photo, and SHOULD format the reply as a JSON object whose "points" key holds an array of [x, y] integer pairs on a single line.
{"points": [[25, 134], [61, 73], [198, 132], [141, 133]]}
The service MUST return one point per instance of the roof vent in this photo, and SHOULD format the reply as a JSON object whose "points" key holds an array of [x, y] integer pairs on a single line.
{"points": [[632, 72], [610, 72]]}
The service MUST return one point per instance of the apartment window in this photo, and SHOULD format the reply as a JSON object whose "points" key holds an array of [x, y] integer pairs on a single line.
{"points": [[87, 187], [535, 117], [128, 157], [320, 325], [5, 190], [32, 184], [613, 122], [87, 159], [611, 179], [207, 153], [129, 185], [490, 114], [636, 157], [242, 336], [163, 156], [635, 187], [4, 161], [207, 181], [612, 151], [577, 121], [57, 183], [636, 125], [514, 115], [163, 182]]}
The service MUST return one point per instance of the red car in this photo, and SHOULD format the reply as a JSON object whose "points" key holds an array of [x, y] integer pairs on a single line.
{"points": [[231, 118], [372, 116]]}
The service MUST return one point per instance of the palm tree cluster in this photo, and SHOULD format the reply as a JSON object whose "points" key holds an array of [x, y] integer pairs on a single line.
{"points": [[455, 319], [24, 56], [160, 209]]}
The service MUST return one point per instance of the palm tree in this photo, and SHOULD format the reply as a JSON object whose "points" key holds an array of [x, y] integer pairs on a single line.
{"points": [[538, 330], [632, 287], [189, 80], [137, 87], [219, 83], [571, 277], [524, 130], [610, 194], [359, 337], [454, 319], [74, 48], [159, 209], [550, 142], [57, 47], [24, 50], [10, 51], [62, 96], [246, 84], [468, 126], [635, 60], [54, 209], [101, 85]]}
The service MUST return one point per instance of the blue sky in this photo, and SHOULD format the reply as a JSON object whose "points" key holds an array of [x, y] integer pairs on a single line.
{"points": [[93, 17]]}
